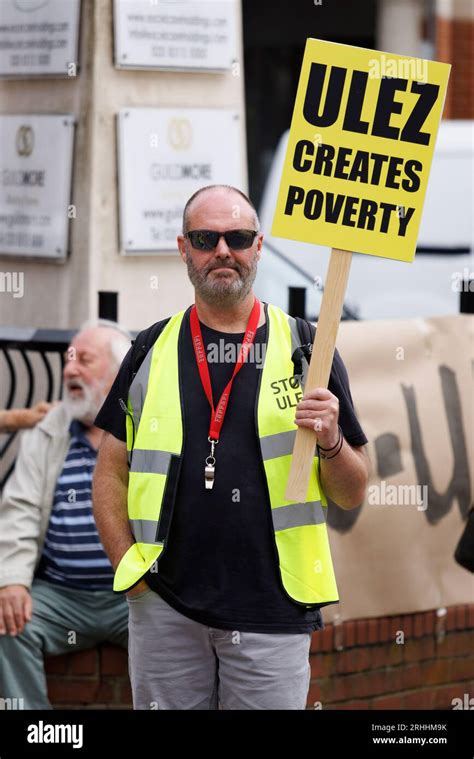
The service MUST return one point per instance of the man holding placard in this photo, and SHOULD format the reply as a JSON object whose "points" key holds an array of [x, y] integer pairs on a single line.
{"points": [[224, 577]]}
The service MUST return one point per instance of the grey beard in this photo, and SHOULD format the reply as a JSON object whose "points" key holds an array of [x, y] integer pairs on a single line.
{"points": [[223, 292], [84, 409]]}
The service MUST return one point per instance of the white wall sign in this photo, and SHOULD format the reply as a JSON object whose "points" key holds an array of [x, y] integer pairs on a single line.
{"points": [[166, 154], [177, 34], [35, 184], [39, 37]]}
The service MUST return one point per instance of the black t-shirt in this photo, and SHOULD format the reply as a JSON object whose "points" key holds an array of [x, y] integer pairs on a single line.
{"points": [[219, 566]]}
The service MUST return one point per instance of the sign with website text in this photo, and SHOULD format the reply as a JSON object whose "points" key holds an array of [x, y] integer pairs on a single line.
{"points": [[360, 148], [189, 35], [39, 37]]}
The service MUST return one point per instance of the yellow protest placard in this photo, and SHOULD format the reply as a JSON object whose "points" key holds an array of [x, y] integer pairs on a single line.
{"points": [[360, 148], [359, 154]]}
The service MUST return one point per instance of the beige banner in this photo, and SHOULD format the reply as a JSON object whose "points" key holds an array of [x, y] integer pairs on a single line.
{"points": [[411, 382]]}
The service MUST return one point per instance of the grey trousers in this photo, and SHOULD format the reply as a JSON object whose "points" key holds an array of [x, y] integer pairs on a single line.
{"points": [[176, 663], [63, 620]]}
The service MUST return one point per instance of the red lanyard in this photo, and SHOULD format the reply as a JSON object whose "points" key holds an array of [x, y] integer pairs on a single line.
{"points": [[218, 413]]}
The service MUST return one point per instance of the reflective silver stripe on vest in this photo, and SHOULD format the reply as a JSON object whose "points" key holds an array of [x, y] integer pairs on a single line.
{"points": [[144, 531], [139, 387], [280, 444], [297, 515], [150, 462]]}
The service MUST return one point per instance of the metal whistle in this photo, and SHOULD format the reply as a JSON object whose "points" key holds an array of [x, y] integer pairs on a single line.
{"points": [[210, 467], [209, 475]]}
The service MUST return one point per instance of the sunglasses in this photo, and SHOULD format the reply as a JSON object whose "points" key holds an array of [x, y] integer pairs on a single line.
{"points": [[236, 239]]}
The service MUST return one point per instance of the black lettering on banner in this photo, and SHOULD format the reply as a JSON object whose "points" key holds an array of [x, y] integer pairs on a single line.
{"points": [[403, 221], [355, 100], [386, 105], [332, 103], [387, 209], [360, 167], [393, 172], [324, 157], [410, 167], [342, 162], [300, 162], [313, 204], [428, 96], [349, 211], [378, 160], [367, 212], [333, 207], [326, 114], [351, 165], [367, 215], [294, 198]]}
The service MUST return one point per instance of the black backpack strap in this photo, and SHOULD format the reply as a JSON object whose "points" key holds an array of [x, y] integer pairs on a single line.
{"points": [[303, 352], [306, 334], [142, 344]]}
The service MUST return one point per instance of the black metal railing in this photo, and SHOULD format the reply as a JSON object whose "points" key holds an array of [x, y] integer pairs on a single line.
{"points": [[32, 364]]}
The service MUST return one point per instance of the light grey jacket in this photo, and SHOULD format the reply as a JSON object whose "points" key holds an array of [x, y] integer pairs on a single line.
{"points": [[28, 497]]}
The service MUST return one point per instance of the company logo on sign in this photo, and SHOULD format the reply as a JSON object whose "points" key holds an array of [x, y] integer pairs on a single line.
{"points": [[25, 141], [180, 134]]}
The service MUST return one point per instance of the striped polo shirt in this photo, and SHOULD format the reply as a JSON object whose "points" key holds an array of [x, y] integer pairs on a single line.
{"points": [[73, 554]]}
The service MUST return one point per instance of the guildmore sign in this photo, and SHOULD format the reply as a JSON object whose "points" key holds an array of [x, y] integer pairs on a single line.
{"points": [[165, 155], [35, 184]]}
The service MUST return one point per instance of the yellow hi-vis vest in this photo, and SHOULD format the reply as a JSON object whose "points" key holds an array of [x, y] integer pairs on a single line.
{"points": [[155, 444]]}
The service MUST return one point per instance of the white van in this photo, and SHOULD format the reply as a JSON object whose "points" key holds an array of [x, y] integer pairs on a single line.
{"points": [[381, 288]]}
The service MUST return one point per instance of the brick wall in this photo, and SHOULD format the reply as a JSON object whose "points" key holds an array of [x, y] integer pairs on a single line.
{"points": [[455, 45], [355, 665], [97, 679], [433, 665]]}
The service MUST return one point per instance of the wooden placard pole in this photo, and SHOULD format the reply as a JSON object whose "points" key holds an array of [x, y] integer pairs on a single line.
{"points": [[319, 368]]}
